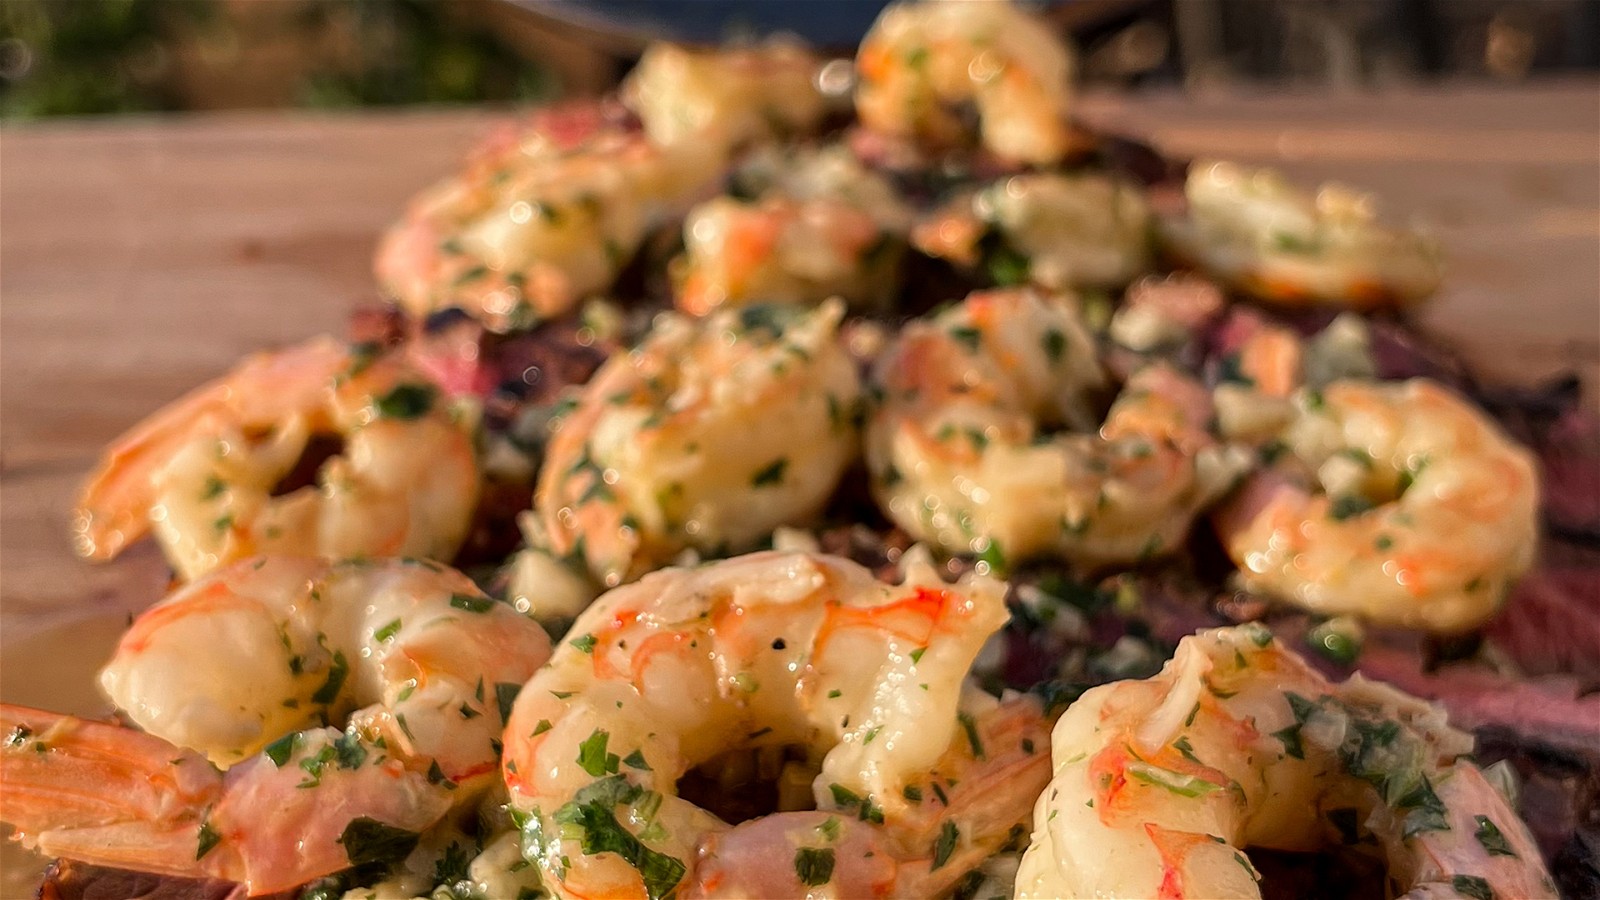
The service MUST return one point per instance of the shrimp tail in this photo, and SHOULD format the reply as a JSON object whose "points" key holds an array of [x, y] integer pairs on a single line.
{"points": [[91, 791]]}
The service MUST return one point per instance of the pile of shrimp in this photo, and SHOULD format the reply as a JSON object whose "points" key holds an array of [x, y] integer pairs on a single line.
{"points": [[883, 390]]}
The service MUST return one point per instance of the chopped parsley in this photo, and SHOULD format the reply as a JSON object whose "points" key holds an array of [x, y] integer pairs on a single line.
{"points": [[1347, 506], [1176, 782], [813, 865], [945, 845], [1472, 886], [386, 632], [1489, 836], [970, 726], [592, 755], [206, 840], [370, 841], [591, 814], [337, 673], [1055, 344], [471, 604], [280, 750], [407, 401], [771, 474], [505, 694], [968, 336]]}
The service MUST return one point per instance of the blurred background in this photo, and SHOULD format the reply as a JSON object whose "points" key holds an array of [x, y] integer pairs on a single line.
{"points": [[100, 57]]}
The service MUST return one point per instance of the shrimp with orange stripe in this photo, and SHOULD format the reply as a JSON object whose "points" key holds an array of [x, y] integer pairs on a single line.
{"points": [[820, 224], [1162, 785], [923, 64], [1252, 230], [892, 778], [708, 435], [544, 217], [211, 472], [233, 678], [983, 438], [1397, 502]]}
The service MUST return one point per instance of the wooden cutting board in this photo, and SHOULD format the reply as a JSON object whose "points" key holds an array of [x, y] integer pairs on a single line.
{"points": [[139, 257]]}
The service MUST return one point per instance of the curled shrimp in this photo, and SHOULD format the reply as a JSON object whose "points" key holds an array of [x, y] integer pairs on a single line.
{"points": [[912, 783], [709, 435], [827, 226], [204, 471], [540, 219], [1252, 230], [732, 97], [960, 455], [423, 663], [1053, 229], [921, 62], [1397, 502], [1161, 785]]}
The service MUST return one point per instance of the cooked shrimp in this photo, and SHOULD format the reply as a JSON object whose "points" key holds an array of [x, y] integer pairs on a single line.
{"points": [[540, 221], [1255, 232], [1161, 785], [232, 666], [1165, 311], [913, 783], [1055, 230], [1398, 502], [709, 435], [732, 97], [203, 471], [827, 226], [922, 62], [1257, 377], [960, 457]]}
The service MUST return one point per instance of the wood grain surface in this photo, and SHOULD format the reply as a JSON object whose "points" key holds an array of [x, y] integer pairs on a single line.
{"points": [[141, 256]]}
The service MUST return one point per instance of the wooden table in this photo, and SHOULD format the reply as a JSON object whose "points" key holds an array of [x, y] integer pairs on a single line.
{"points": [[140, 256]]}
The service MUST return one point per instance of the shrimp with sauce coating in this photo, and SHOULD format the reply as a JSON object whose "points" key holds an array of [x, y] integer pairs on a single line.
{"points": [[959, 455], [822, 225], [1397, 502], [1161, 785], [732, 96], [709, 435], [204, 471], [541, 218], [913, 783], [1252, 230], [922, 62], [1056, 230], [422, 664]]}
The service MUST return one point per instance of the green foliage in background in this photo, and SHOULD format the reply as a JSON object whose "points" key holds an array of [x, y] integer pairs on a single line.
{"points": [[91, 57], [80, 57], [411, 51]]}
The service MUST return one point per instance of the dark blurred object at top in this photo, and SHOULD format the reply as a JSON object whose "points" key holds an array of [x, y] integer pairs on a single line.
{"points": [[76, 57]]}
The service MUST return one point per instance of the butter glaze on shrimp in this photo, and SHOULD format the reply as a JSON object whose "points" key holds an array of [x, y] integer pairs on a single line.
{"points": [[202, 471], [921, 62], [1252, 230], [1059, 231], [823, 225], [243, 666], [1160, 786], [1397, 502], [959, 454], [916, 784], [709, 435], [541, 218], [731, 97]]}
